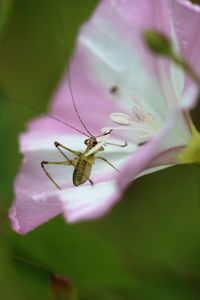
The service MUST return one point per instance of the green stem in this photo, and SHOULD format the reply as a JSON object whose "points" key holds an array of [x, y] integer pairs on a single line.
{"points": [[32, 264], [186, 67]]}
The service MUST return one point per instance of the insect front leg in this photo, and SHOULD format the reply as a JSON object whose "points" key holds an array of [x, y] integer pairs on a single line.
{"points": [[118, 145], [43, 163], [104, 159]]}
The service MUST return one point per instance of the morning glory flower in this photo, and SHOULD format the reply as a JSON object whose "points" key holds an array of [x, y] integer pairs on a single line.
{"points": [[117, 84]]}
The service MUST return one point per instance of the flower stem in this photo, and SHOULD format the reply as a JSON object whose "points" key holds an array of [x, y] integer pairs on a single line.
{"points": [[186, 67]]}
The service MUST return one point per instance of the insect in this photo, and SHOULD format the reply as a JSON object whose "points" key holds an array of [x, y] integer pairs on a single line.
{"points": [[114, 90], [83, 161]]}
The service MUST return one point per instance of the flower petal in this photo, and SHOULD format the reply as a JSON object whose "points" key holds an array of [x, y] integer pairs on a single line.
{"points": [[186, 19], [105, 74], [92, 104], [146, 158], [27, 213], [36, 198], [94, 201], [89, 202], [122, 70]]}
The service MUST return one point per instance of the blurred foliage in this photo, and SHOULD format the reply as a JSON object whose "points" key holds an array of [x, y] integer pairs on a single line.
{"points": [[5, 8], [195, 1], [147, 247]]}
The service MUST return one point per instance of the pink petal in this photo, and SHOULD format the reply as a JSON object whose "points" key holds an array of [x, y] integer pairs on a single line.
{"points": [[36, 199], [129, 65], [26, 213], [35, 196], [166, 158], [97, 200], [186, 19], [92, 104], [89, 202], [147, 157], [131, 18], [128, 19]]}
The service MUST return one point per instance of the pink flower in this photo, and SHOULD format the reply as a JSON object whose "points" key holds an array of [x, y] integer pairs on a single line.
{"points": [[113, 76]]}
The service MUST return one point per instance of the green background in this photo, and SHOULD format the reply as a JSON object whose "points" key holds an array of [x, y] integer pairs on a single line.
{"points": [[148, 247]]}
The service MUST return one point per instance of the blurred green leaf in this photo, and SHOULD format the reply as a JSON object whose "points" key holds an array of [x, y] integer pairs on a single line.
{"points": [[38, 40], [11, 285], [5, 10], [195, 1], [7, 142], [86, 260], [158, 221]]}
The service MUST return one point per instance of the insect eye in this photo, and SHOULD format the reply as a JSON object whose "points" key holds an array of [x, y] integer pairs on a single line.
{"points": [[86, 142]]}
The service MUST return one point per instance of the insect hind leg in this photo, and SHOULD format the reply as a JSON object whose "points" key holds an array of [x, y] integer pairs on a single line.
{"points": [[43, 163], [58, 146]]}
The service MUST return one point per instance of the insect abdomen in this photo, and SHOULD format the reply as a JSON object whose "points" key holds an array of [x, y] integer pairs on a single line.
{"points": [[81, 172]]}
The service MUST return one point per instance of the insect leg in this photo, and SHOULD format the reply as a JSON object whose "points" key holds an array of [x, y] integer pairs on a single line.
{"points": [[43, 163], [58, 146], [104, 159], [122, 145], [90, 181], [105, 133]]}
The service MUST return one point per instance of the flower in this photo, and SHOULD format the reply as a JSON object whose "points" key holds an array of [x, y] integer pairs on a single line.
{"points": [[113, 76]]}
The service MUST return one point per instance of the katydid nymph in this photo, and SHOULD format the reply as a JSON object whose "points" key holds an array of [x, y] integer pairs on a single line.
{"points": [[83, 161]]}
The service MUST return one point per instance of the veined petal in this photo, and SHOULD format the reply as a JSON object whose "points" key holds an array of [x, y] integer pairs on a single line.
{"points": [[27, 213], [88, 97], [119, 64], [186, 20], [89, 202], [36, 198], [122, 69], [152, 157], [144, 160], [127, 73], [111, 72], [31, 173]]}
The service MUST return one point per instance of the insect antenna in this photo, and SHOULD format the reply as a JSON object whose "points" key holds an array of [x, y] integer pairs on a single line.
{"points": [[69, 77], [46, 114], [73, 100]]}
